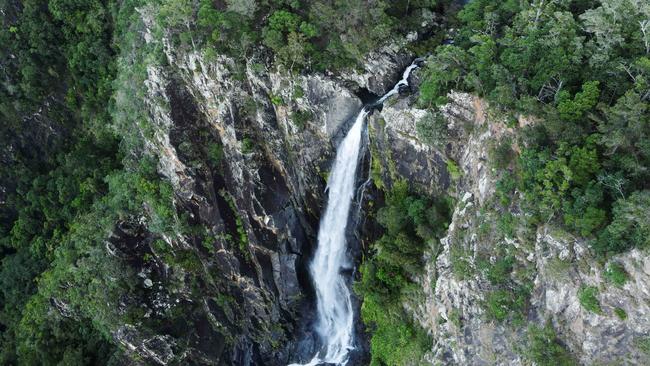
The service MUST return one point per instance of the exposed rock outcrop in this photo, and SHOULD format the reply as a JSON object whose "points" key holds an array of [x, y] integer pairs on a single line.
{"points": [[554, 264], [275, 133], [259, 192]]}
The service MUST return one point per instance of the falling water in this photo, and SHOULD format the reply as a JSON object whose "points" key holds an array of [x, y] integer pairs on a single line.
{"points": [[335, 323]]}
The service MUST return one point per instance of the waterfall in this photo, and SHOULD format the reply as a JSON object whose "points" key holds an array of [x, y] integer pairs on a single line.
{"points": [[335, 322]]}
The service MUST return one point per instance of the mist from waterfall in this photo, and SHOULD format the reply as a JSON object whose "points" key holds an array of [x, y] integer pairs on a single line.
{"points": [[335, 321]]}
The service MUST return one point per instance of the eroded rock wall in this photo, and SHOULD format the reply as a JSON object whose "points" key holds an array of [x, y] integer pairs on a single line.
{"points": [[552, 264]]}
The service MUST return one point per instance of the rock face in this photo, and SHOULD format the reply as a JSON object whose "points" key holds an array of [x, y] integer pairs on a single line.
{"points": [[245, 294], [553, 264], [267, 189]]}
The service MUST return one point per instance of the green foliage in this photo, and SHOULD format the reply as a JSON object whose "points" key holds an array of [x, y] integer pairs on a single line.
{"points": [[625, 132], [630, 226], [277, 100], [411, 225], [506, 224], [455, 318], [460, 261], [565, 183], [616, 274], [508, 297], [242, 234], [545, 349], [501, 153], [432, 129], [395, 339], [583, 213], [287, 35], [574, 110], [620, 313], [230, 30], [505, 188], [247, 145], [498, 273], [583, 68], [502, 303], [588, 299], [442, 73], [644, 345], [60, 285], [453, 169], [215, 153], [300, 118]]}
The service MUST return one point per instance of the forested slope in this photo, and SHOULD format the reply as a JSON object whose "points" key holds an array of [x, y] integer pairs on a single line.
{"points": [[163, 164]]}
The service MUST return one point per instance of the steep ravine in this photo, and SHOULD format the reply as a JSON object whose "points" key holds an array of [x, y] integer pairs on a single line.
{"points": [[278, 132], [552, 263], [262, 200]]}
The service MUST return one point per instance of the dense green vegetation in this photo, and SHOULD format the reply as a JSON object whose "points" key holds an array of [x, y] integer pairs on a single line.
{"points": [[70, 101], [583, 67], [545, 349], [69, 181], [312, 35], [616, 274], [589, 300], [57, 63], [74, 167], [412, 224]]}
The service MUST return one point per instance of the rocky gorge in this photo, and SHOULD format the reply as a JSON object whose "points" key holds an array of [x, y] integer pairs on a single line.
{"points": [[243, 147], [276, 190]]}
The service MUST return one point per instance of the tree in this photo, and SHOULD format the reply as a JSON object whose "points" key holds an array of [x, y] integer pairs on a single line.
{"points": [[245, 8], [630, 226], [574, 110], [432, 129], [618, 29], [545, 349], [288, 36], [625, 132], [444, 71], [542, 44]]}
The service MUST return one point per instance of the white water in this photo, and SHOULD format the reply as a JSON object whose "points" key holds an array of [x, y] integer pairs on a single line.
{"points": [[335, 323]]}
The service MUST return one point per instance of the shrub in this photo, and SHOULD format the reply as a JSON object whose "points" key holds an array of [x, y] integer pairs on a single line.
{"points": [[443, 73], [460, 262], [454, 318], [573, 110], [300, 118], [583, 213], [247, 145], [410, 223], [432, 129], [506, 224], [630, 226], [616, 274], [453, 169], [505, 187], [499, 272], [501, 153], [644, 345], [215, 153], [277, 100], [545, 349], [588, 299], [500, 304], [620, 313]]}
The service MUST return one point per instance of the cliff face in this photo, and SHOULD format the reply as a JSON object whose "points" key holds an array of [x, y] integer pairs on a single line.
{"points": [[551, 266], [275, 133]]}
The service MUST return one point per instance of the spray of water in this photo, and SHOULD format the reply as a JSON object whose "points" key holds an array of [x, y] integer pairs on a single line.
{"points": [[335, 322]]}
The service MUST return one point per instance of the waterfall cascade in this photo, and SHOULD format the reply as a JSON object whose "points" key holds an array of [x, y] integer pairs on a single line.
{"points": [[335, 322]]}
